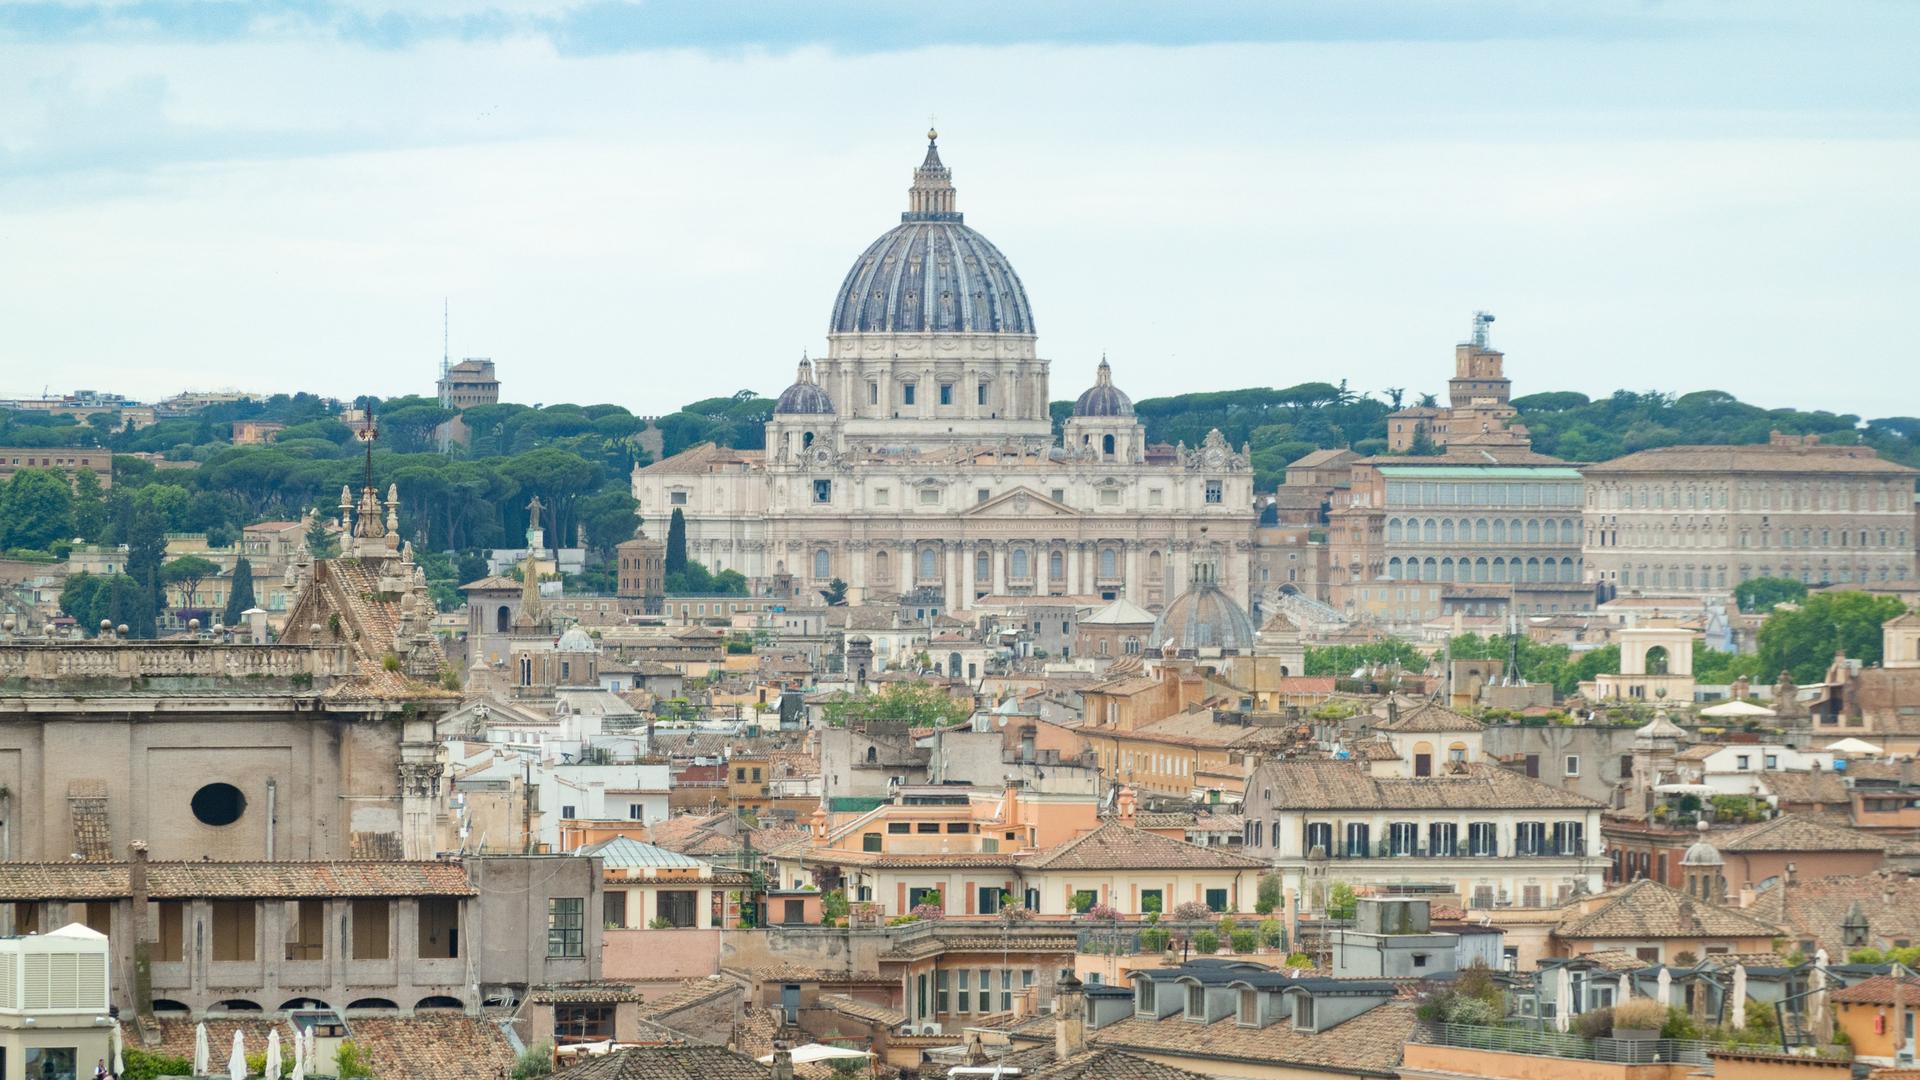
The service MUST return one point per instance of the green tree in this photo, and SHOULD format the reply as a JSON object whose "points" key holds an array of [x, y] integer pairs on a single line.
{"points": [[146, 557], [239, 592], [560, 478], [914, 704], [607, 517], [676, 541], [1761, 594], [1805, 640], [1342, 901], [1344, 660], [36, 509], [835, 594], [1269, 896], [89, 506], [321, 543], [1422, 444], [188, 571], [85, 597]]}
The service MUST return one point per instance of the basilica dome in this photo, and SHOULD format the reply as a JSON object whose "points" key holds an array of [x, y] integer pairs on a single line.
{"points": [[1103, 398], [1204, 617], [931, 273], [805, 397]]}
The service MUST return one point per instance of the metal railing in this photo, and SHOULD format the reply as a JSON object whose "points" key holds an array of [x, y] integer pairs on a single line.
{"points": [[1515, 1040]]}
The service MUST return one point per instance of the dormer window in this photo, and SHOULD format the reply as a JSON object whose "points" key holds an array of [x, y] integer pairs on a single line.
{"points": [[1142, 995], [1197, 1003], [1248, 1012]]}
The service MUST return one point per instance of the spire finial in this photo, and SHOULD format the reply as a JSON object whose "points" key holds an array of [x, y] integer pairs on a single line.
{"points": [[931, 198]]}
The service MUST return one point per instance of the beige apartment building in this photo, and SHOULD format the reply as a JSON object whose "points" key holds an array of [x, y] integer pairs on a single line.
{"points": [[1699, 520]]}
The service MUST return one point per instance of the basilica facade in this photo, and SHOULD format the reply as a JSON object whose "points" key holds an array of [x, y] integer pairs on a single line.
{"points": [[918, 457]]}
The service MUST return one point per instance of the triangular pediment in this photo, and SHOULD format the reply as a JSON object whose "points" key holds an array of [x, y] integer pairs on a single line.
{"points": [[1021, 502]]}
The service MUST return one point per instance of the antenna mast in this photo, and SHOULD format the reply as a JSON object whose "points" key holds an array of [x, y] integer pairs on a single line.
{"points": [[446, 360], [1482, 320]]}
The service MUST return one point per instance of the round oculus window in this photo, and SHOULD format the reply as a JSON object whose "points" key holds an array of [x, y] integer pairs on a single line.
{"points": [[218, 804]]}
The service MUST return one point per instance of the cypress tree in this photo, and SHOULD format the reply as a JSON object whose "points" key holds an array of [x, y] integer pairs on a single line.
{"points": [[240, 593], [677, 543]]}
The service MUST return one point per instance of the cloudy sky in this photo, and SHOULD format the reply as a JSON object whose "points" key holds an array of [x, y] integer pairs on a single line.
{"points": [[650, 203]]}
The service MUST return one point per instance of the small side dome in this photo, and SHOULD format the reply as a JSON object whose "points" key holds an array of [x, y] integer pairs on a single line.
{"points": [[1103, 398], [576, 640], [1204, 617], [1702, 853], [805, 397]]}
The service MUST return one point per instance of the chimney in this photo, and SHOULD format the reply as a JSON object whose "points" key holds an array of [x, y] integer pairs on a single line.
{"points": [[1124, 803], [782, 1062], [1069, 1019], [1793, 873], [142, 959]]}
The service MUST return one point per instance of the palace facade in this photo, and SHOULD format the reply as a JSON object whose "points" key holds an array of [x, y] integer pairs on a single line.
{"points": [[919, 457]]}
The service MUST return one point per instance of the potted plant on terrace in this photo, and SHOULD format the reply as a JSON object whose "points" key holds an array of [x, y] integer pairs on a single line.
{"points": [[1640, 1018]]}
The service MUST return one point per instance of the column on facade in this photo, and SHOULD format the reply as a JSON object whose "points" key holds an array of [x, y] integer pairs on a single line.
{"points": [[1000, 568], [1070, 566], [1177, 570], [965, 552], [1043, 566], [949, 575], [908, 579], [1132, 592]]}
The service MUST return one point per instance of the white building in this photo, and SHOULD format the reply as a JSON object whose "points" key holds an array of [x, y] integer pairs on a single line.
{"points": [[920, 458], [1739, 769]]}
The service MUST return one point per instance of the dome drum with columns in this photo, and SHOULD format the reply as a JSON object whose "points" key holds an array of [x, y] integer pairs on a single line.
{"points": [[918, 458]]}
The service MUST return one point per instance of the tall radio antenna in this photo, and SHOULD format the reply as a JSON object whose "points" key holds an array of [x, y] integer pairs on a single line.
{"points": [[446, 364]]}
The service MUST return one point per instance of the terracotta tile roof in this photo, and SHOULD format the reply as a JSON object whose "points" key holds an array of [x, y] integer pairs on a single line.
{"points": [[1759, 457], [169, 880], [1041, 1063], [588, 992], [1615, 960], [1369, 1044], [1429, 716], [668, 1063], [1797, 832], [862, 1010], [1812, 909], [1808, 787], [1178, 819], [686, 996], [1114, 846], [1648, 909], [176, 1036], [432, 1047], [1346, 785], [1879, 991]]}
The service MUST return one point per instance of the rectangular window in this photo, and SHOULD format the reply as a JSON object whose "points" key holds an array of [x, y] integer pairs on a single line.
{"points": [[614, 909], [677, 498], [822, 491], [1059, 495], [873, 393], [1152, 901], [1573, 764], [439, 929], [370, 926], [926, 827], [1006, 989], [1213, 491], [929, 496], [1216, 899], [51, 1062], [957, 827], [870, 841], [899, 827], [940, 991], [636, 812], [567, 812], [989, 901], [173, 930], [982, 495], [964, 1000], [680, 907], [916, 897], [566, 927], [946, 393], [906, 394], [980, 394], [232, 930], [306, 927], [583, 1023]]}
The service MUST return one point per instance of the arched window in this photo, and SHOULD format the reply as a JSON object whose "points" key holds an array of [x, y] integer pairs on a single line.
{"points": [[1480, 529], [982, 566], [1394, 531], [1446, 569], [1056, 566], [502, 620], [873, 754], [1446, 531], [1109, 563], [1154, 566], [1499, 531], [880, 563], [929, 564], [1657, 660], [1393, 569], [806, 441], [1499, 569], [1431, 532], [1550, 531], [1429, 570], [1021, 570], [822, 563], [1480, 569], [1533, 530], [1533, 569], [1106, 445]]}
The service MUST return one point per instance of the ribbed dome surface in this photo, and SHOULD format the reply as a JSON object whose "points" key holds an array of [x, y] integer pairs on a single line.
{"points": [[932, 276], [1103, 398], [576, 640], [930, 273], [1702, 854], [805, 397], [1204, 617]]}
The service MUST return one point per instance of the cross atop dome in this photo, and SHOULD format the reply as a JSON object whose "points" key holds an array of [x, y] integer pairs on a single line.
{"points": [[931, 198]]}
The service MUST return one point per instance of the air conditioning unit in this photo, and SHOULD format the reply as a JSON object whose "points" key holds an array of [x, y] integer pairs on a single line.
{"points": [[930, 1029], [906, 1029]]}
